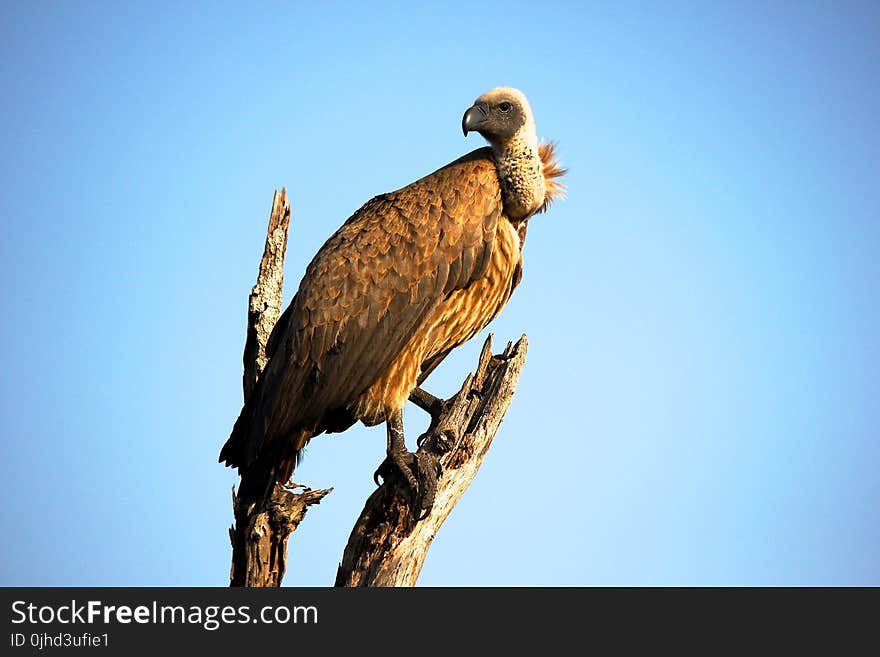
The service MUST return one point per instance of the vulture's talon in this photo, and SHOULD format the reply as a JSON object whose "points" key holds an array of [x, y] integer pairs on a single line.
{"points": [[398, 464], [418, 473]]}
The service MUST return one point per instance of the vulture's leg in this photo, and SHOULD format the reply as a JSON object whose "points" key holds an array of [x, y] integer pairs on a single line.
{"points": [[396, 455], [433, 406], [421, 478], [427, 402]]}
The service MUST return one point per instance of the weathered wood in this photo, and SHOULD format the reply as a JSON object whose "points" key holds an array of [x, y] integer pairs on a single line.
{"points": [[387, 546], [260, 534], [264, 303], [261, 557]]}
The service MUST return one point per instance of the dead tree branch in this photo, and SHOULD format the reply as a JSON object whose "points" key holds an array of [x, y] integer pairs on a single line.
{"points": [[259, 536], [387, 547], [264, 546], [264, 303]]}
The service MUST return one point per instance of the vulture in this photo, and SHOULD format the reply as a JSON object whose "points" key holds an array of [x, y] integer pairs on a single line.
{"points": [[407, 278]]}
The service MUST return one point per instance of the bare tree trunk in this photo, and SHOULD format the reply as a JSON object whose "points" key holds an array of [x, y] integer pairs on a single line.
{"points": [[387, 547], [259, 537]]}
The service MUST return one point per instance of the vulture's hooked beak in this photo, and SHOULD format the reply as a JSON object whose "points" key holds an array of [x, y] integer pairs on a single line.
{"points": [[474, 118]]}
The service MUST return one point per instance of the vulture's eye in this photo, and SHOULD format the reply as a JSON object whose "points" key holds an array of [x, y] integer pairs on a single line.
{"points": [[505, 107]]}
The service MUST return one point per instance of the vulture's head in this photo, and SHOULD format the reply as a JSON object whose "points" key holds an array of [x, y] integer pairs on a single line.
{"points": [[501, 116]]}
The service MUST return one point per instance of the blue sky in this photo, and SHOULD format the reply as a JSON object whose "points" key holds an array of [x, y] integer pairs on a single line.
{"points": [[699, 405]]}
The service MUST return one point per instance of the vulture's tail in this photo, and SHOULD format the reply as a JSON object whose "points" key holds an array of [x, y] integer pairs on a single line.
{"points": [[273, 465], [238, 448], [262, 460]]}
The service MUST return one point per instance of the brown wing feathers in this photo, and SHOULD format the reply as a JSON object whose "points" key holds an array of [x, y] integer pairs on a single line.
{"points": [[365, 294], [554, 189]]}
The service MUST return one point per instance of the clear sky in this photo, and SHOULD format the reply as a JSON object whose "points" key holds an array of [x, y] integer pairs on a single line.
{"points": [[699, 404]]}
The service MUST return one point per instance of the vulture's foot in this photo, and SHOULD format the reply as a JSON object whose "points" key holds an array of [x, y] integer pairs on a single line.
{"points": [[401, 464], [429, 471], [433, 406], [418, 471]]}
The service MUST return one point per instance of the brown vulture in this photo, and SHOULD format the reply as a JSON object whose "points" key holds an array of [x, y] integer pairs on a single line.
{"points": [[410, 276]]}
